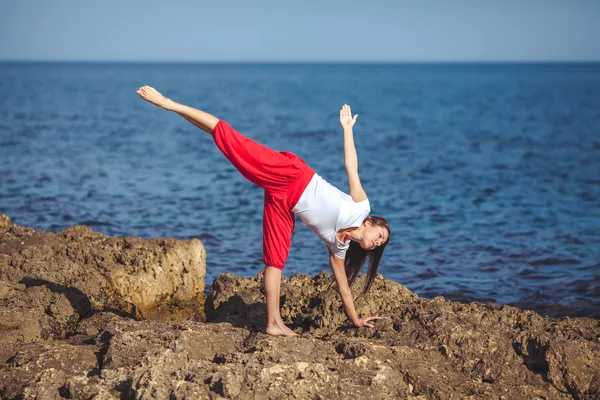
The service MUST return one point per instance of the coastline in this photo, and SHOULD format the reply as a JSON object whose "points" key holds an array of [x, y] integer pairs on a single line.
{"points": [[65, 335]]}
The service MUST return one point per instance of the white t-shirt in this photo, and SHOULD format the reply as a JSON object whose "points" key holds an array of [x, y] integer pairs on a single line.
{"points": [[325, 209]]}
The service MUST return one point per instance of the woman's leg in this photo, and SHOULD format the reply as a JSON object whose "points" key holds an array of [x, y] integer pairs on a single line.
{"points": [[275, 325], [264, 167], [278, 226], [261, 165], [201, 119]]}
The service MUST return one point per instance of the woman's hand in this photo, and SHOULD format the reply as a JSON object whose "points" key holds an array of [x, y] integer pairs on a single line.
{"points": [[365, 321], [346, 119]]}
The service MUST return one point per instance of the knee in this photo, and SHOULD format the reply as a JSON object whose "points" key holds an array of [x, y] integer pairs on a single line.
{"points": [[274, 261]]}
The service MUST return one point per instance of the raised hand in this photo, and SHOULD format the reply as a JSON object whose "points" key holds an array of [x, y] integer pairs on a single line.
{"points": [[346, 119]]}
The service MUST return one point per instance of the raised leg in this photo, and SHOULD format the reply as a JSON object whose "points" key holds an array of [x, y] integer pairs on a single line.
{"points": [[201, 119], [275, 325]]}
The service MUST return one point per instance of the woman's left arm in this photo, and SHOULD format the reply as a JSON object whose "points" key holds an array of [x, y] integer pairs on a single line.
{"points": [[350, 158]]}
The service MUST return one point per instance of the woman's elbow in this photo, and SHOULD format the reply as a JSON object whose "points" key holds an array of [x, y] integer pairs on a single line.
{"points": [[351, 168]]}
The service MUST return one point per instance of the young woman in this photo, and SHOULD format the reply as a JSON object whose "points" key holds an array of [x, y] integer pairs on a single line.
{"points": [[291, 187]]}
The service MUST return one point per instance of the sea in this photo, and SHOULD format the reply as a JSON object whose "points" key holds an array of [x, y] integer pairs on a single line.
{"points": [[489, 174]]}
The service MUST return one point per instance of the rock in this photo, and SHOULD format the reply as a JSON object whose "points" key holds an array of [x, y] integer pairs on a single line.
{"points": [[47, 369], [4, 223], [147, 279], [49, 282], [437, 348], [57, 345], [29, 314]]}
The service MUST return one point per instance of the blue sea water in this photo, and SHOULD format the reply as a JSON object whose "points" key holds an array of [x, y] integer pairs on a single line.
{"points": [[489, 174]]}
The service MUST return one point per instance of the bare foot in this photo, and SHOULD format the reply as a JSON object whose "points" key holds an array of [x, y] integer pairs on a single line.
{"points": [[279, 329], [153, 96]]}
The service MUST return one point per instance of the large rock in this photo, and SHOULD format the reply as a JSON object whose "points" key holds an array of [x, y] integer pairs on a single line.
{"points": [[425, 349], [50, 281], [441, 349], [65, 347], [191, 360]]}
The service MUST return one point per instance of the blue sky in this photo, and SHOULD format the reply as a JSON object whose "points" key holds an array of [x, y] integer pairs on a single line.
{"points": [[309, 30]]}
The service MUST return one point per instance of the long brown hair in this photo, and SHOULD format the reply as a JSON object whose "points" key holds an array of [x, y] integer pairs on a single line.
{"points": [[356, 256]]}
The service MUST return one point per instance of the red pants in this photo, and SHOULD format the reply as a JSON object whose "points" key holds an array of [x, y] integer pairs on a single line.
{"points": [[283, 175]]}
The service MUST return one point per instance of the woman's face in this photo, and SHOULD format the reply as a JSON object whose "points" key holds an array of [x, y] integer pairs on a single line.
{"points": [[373, 236]]}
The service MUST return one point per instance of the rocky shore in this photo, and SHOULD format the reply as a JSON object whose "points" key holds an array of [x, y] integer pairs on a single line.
{"points": [[83, 316]]}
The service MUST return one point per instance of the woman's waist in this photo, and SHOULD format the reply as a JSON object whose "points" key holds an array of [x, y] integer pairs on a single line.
{"points": [[300, 184]]}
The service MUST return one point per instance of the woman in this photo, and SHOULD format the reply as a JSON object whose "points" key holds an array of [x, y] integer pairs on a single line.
{"points": [[291, 187]]}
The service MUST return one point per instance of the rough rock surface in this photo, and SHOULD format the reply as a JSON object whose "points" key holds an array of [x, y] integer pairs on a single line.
{"points": [[48, 282], [439, 349], [423, 349]]}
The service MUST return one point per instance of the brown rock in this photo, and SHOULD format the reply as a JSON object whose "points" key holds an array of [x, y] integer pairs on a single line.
{"points": [[49, 282], [4, 223], [147, 279], [423, 349], [440, 349], [47, 370]]}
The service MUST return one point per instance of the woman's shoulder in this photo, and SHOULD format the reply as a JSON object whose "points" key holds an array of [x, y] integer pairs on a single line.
{"points": [[352, 214], [363, 204]]}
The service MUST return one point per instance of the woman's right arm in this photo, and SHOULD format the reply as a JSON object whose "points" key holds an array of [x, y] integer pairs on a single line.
{"points": [[339, 272]]}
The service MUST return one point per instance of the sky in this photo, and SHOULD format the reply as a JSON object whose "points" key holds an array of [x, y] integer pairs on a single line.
{"points": [[300, 30]]}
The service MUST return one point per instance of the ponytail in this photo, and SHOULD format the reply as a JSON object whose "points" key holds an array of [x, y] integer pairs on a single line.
{"points": [[356, 256]]}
